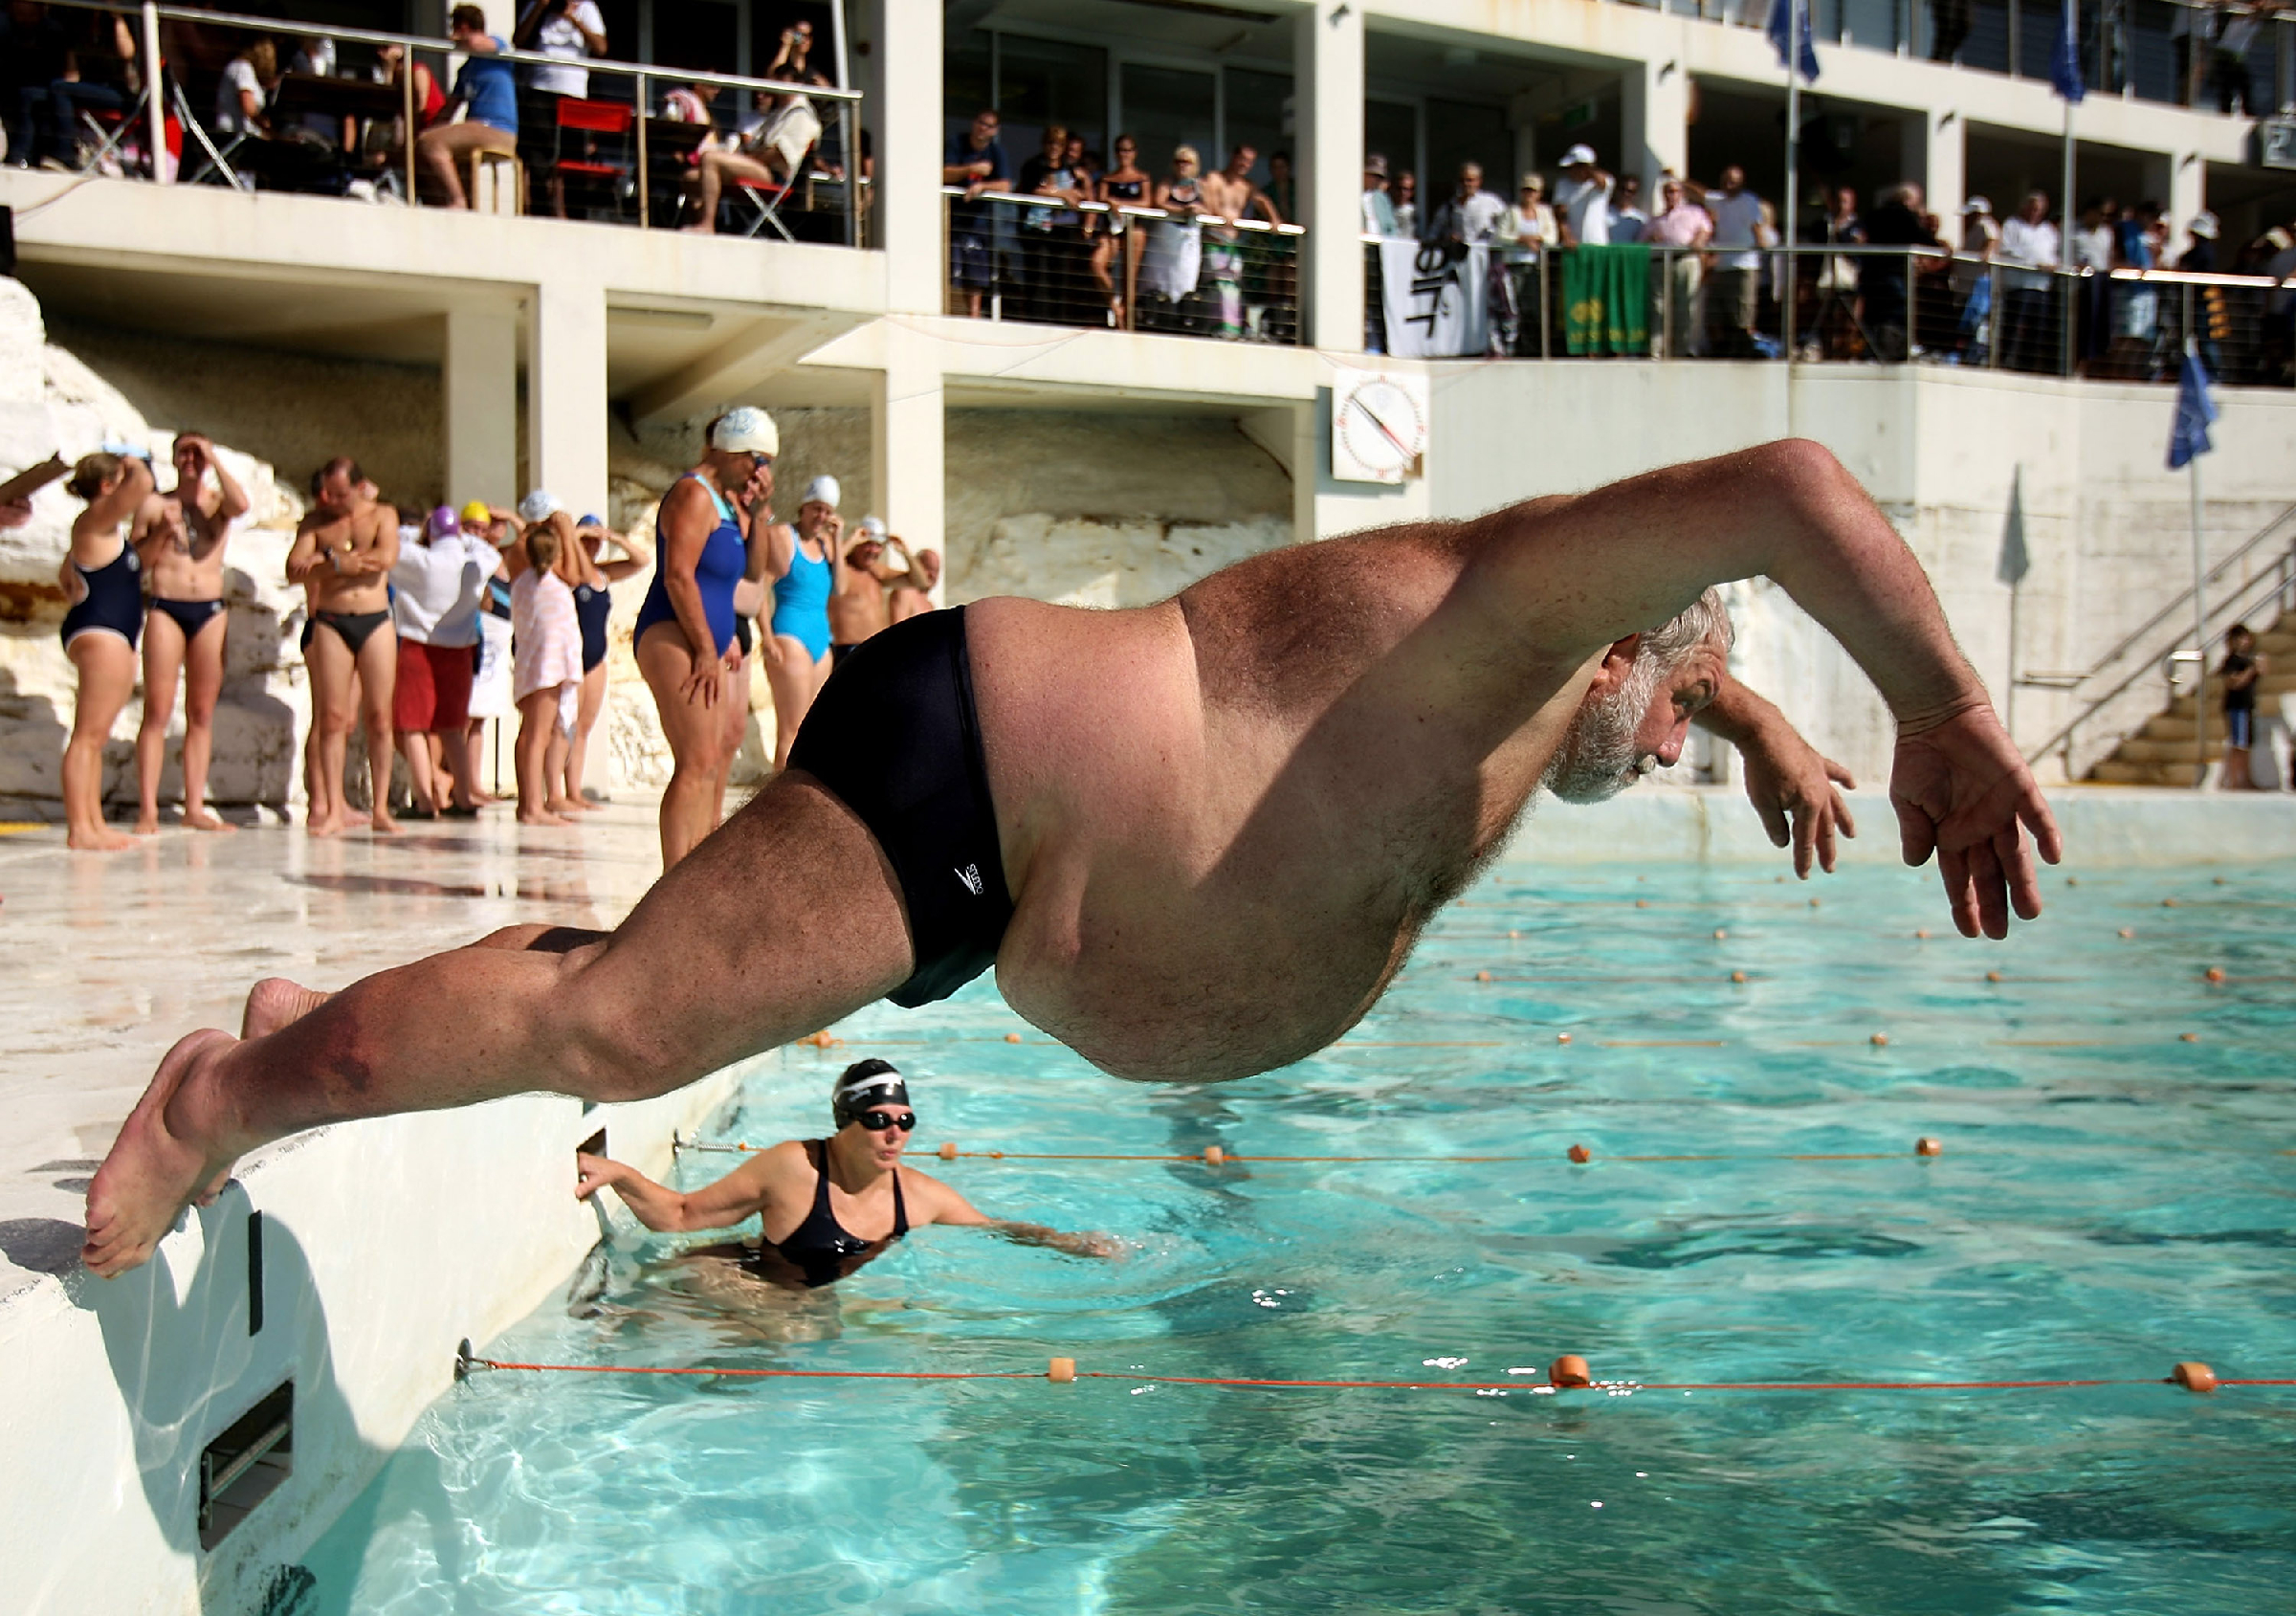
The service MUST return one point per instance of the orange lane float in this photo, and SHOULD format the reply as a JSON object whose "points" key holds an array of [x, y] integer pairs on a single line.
{"points": [[1569, 1371], [1925, 1145], [1738, 975], [2213, 973], [1580, 1154]]}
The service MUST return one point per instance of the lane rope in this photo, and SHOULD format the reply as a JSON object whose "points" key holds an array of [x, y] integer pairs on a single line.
{"points": [[1568, 1373], [1576, 1155]]}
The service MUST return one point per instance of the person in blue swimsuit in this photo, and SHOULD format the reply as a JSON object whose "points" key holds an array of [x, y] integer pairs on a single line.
{"points": [[104, 577], [685, 630], [802, 561], [827, 1205]]}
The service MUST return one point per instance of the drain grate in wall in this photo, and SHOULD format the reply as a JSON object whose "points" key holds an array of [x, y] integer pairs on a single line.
{"points": [[240, 1469]]}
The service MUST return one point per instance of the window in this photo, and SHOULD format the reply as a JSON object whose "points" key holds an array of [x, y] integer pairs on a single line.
{"points": [[1164, 107], [1041, 82], [1458, 132], [1391, 128], [1259, 115]]}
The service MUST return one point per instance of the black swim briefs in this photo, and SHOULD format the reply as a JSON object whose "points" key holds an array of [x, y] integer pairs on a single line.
{"points": [[895, 736]]}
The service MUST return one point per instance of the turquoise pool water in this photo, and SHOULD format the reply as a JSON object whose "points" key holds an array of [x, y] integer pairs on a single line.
{"points": [[2112, 1199]]}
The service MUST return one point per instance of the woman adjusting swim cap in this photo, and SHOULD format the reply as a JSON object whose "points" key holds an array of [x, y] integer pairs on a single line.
{"points": [[823, 490], [746, 430]]}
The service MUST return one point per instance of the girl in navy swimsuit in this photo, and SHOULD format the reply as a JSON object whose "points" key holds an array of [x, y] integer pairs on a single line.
{"points": [[837, 1203], [593, 607], [103, 577]]}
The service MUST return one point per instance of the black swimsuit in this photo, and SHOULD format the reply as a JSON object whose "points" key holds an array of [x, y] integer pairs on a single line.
{"points": [[819, 1249], [592, 607], [893, 735], [190, 616], [353, 628], [113, 602]]}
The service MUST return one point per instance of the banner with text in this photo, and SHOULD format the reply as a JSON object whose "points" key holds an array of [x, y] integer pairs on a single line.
{"points": [[1434, 293]]}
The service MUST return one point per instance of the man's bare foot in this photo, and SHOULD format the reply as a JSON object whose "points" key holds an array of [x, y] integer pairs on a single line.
{"points": [[322, 824], [148, 825], [273, 1003], [384, 824], [101, 839], [153, 1170], [541, 816], [203, 820], [565, 805]]}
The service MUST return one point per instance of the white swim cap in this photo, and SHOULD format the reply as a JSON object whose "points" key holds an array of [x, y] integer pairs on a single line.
{"points": [[747, 431], [539, 506], [823, 490], [873, 527]]}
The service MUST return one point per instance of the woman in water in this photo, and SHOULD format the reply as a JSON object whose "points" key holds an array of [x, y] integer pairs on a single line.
{"points": [[103, 576], [1125, 186], [685, 630], [802, 561], [829, 1205], [593, 607], [180, 538]]}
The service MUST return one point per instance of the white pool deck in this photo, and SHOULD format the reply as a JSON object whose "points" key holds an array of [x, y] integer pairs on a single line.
{"points": [[385, 1242]]}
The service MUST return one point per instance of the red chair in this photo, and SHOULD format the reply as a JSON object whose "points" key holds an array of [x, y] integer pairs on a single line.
{"points": [[611, 182], [766, 197]]}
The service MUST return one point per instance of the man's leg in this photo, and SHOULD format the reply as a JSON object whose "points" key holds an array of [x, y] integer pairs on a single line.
{"points": [[162, 660], [203, 686], [332, 669], [784, 922], [378, 679]]}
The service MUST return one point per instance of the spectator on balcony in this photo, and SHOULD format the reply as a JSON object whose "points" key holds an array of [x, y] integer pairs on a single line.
{"points": [[97, 71], [36, 55], [1230, 196], [1406, 205], [316, 58], [384, 138], [488, 92], [1884, 287], [573, 31], [690, 104], [977, 163], [2137, 239], [791, 62], [1977, 322], [1582, 200], [2089, 249], [2236, 90], [1174, 252], [1052, 239], [1628, 223], [1474, 217], [771, 153], [1282, 187], [244, 91], [1378, 208], [2030, 241], [1733, 290], [1683, 226], [1529, 230], [1125, 186]]}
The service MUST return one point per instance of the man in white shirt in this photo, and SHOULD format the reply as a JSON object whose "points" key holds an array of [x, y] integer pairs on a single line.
{"points": [[1733, 289], [1472, 214], [438, 589], [1583, 200], [2029, 327]]}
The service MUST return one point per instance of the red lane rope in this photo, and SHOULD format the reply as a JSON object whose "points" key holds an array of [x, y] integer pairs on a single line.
{"points": [[1527, 1383]]}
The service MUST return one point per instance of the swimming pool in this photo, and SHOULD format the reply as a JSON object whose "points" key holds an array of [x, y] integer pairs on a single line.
{"points": [[2112, 1198]]}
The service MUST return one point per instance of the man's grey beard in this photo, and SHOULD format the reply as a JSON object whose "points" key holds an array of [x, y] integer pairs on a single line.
{"points": [[1598, 757]]}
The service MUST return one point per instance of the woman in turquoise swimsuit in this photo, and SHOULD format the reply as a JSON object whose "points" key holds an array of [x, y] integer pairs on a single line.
{"points": [[685, 630], [802, 561]]}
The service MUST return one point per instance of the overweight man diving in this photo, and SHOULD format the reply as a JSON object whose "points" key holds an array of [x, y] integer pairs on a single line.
{"points": [[1195, 840]]}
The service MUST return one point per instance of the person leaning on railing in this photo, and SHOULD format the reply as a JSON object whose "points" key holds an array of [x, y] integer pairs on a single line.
{"points": [[977, 163], [487, 91], [1682, 228]]}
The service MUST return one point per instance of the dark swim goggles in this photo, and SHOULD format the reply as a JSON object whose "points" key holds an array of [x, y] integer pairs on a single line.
{"points": [[878, 1121]]}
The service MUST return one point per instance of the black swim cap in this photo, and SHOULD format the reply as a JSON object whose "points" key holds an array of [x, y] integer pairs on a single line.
{"points": [[866, 1084]]}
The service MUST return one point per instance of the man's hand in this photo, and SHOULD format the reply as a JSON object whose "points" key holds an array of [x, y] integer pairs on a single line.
{"points": [[1787, 778], [1961, 791]]}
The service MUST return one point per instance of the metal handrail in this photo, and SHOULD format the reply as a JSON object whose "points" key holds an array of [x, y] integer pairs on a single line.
{"points": [[447, 47], [2246, 597], [1126, 209]]}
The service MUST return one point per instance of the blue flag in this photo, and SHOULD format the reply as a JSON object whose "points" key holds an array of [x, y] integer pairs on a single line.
{"points": [[2064, 57], [2194, 410], [1788, 18]]}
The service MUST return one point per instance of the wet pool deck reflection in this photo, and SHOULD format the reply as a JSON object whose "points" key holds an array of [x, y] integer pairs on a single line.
{"points": [[111, 957]]}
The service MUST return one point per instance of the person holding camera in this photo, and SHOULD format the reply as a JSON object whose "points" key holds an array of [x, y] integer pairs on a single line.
{"points": [[574, 30]]}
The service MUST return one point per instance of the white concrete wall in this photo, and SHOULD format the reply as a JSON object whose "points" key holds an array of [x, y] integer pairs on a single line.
{"points": [[384, 1243], [2105, 521]]}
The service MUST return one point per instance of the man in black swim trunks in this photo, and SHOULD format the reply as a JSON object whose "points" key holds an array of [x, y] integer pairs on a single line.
{"points": [[838, 1201], [1196, 839], [343, 550]]}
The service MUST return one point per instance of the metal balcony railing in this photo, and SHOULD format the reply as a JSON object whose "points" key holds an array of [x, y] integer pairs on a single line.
{"points": [[360, 114]]}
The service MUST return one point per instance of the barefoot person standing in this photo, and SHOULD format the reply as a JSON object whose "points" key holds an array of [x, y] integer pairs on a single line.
{"points": [[346, 548], [1296, 761], [182, 538], [104, 577]]}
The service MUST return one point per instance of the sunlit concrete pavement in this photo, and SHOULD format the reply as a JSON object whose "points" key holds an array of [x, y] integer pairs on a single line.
{"points": [[112, 957]]}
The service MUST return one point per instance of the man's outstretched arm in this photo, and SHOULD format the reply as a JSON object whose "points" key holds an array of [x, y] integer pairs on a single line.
{"points": [[1575, 575], [1794, 787]]}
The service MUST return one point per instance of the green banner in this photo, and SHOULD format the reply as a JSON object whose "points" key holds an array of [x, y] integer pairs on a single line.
{"points": [[1606, 300]]}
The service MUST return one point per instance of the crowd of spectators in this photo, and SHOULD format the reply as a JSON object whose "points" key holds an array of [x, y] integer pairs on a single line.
{"points": [[1068, 238], [1986, 291]]}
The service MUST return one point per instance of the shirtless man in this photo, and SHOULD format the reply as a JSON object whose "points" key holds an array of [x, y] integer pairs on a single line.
{"points": [[915, 596], [858, 603], [344, 550], [1294, 763], [1230, 196], [181, 537]]}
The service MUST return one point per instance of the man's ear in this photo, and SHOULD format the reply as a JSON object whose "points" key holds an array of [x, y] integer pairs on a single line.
{"points": [[1617, 663]]}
